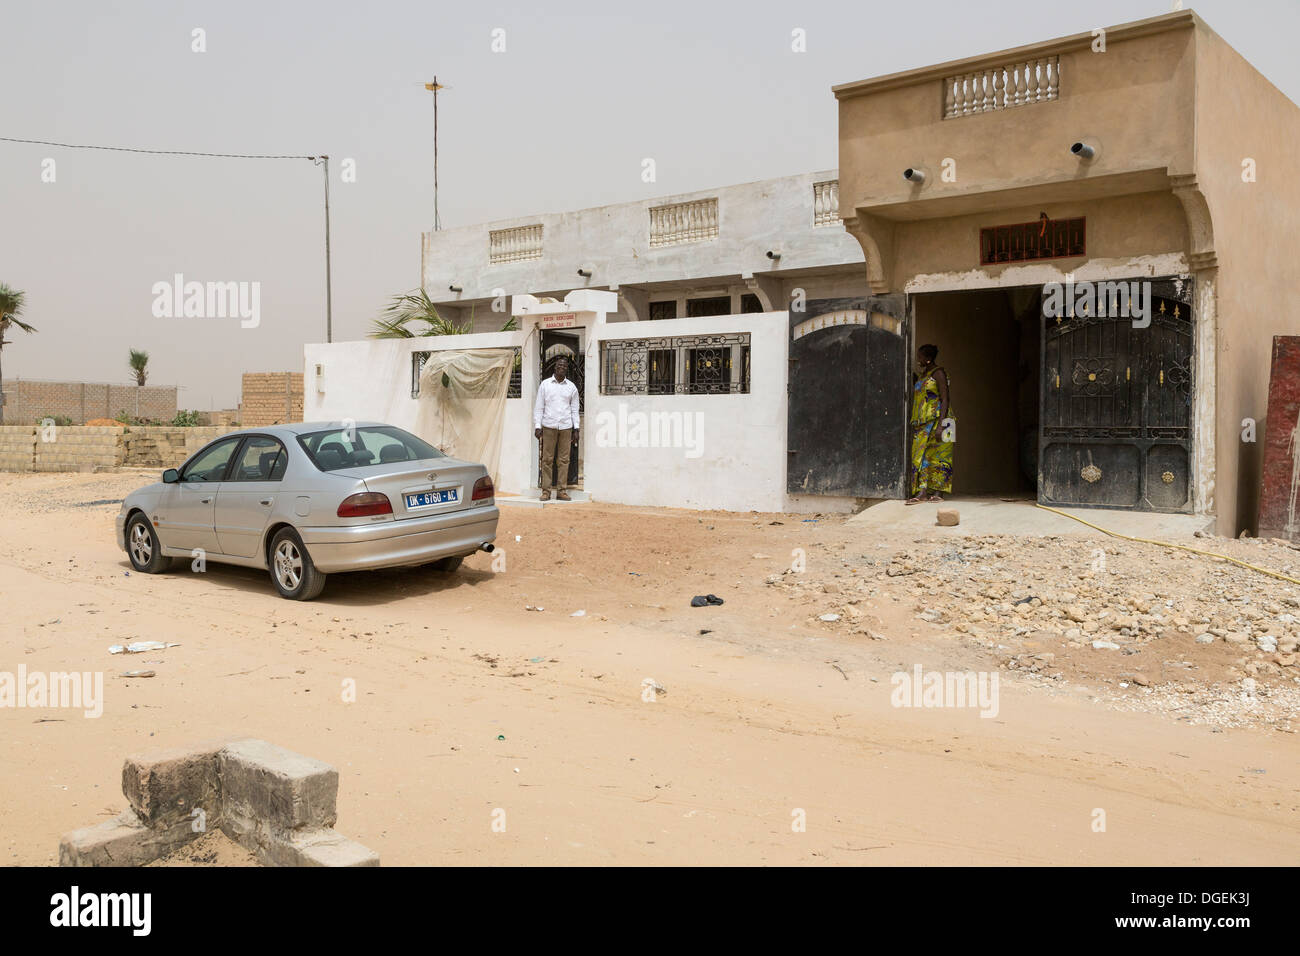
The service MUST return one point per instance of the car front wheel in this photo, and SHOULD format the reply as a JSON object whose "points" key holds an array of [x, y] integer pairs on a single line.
{"points": [[292, 571], [142, 546]]}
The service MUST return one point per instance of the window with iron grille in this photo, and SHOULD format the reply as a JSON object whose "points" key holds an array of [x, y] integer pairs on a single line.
{"points": [[702, 308], [514, 390], [1041, 239], [676, 365], [663, 310]]}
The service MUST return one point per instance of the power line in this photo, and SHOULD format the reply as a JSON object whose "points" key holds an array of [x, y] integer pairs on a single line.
{"points": [[316, 160], [155, 152]]}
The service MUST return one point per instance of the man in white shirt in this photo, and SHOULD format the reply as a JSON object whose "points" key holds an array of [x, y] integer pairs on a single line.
{"points": [[555, 422]]}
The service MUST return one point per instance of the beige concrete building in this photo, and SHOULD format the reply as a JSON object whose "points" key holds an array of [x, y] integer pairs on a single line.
{"points": [[1149, 152]]}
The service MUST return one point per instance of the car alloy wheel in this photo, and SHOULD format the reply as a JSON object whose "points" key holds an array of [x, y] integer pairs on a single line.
{"points": [[288, 565], [292, 571], [141, 545]]}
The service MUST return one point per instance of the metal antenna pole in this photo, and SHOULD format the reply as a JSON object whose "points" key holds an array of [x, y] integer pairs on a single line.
{"points": [[329, 295], [437, 222]]}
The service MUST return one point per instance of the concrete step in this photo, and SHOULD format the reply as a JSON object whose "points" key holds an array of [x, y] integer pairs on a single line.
{"points": [[531, 499]]}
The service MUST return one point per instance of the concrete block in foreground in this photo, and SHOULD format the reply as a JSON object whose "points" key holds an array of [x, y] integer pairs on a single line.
{"points": [[266, 785], [123, 841], [279, 804], [166, 786], [319, 847]]}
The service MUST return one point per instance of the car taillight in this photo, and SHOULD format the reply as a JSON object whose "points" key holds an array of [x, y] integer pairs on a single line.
{"points": [[363, 504], [483, 489]]}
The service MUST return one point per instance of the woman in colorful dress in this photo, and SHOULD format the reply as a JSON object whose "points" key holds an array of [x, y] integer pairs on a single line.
{"points": [[934, 429]]}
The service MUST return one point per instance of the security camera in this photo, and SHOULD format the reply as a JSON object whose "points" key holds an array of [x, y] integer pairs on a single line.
{"points": [[914, 175], [585, 273], [1083, 150], [455, 288], [773, 255]]}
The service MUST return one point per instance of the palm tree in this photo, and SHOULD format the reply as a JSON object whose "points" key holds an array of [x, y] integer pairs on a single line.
{"points": [[11, 306], [137, 362], [411, 307], [416, 306]]}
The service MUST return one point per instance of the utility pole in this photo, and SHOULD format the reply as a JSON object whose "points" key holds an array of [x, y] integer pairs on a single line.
{"points": [[329, 297], [434, 87]]}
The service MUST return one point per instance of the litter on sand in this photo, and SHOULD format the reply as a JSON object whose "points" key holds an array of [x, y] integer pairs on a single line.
{"points": [[137, 673], [829, 617], [531, 607], [706, 600], [140, 646], [578, 613]]}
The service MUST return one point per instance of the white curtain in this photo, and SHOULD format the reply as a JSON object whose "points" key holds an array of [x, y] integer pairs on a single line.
{"points": [[471, 405]]}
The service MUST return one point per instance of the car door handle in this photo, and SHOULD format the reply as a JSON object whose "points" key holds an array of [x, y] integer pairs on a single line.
{"points": [[267, 501], [205, 501]]}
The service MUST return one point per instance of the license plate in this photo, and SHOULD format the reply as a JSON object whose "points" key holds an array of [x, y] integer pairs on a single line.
{"points": [[426, 498]]}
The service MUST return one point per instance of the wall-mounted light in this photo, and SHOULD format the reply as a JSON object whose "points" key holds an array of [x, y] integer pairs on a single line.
{"points": [[1083, 150], [585, 273], [914, 175], [455, 288]]}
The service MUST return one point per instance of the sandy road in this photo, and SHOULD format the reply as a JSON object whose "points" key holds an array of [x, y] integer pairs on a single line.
{"points": [[755, 726]]}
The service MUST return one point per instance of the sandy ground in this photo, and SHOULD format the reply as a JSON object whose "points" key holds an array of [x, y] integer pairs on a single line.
{"points": [[470, 709]]}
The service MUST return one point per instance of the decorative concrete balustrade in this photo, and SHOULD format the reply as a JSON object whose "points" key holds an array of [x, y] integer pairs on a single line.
{"points": [[826, 203], [1002, 87], [695, 221], [515, 244]]}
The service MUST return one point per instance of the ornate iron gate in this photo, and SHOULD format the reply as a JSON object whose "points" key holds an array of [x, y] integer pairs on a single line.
{"points": [[847, 417], [1116, 423]]}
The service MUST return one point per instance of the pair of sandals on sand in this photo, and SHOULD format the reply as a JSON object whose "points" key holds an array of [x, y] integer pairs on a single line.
{"points": [[918, 499]]}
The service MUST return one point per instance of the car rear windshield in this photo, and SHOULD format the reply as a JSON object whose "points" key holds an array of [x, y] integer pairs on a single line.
{"points": [[356, 447]]}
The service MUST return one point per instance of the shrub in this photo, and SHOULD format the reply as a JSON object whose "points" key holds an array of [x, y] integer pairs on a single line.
{"points": [[186, 419], [60, 420]]}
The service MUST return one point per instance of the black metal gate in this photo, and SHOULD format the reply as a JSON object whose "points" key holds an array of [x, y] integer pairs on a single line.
{"points": [[1116, 424], [848, 397], [567, 345]]}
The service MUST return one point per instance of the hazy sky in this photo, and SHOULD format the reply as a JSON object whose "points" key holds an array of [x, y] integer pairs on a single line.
{"points": [[560, 120]]}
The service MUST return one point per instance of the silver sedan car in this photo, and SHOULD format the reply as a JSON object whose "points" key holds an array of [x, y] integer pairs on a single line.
{"points": [[308, 500]]}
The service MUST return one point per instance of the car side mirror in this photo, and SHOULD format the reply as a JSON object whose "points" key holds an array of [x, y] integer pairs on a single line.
{"points": [[171, 476]]}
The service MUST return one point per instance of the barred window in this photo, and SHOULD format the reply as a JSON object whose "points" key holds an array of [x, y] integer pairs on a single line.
{"points": [[676, 365], [663, 310], [515, 389]]}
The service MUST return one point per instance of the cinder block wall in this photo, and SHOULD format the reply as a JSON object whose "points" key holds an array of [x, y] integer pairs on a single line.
{"points": [[17, 447], [271, 398], [89, 448], [158, 446], [28, 401], [79, 448]]}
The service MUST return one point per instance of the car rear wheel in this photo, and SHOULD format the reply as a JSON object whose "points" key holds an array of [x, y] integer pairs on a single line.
{"points": [[292, 571], [448, 564], [142, 546]]}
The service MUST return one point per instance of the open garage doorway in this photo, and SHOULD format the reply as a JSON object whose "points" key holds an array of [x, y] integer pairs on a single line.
{"points": [[989, 345]]}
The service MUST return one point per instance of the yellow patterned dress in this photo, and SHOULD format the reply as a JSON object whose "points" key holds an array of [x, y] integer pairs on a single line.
{"points": [[932, 440]]}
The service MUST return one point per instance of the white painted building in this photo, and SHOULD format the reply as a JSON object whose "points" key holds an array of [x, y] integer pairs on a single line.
{"points": [[686, 412], [674, 314]]}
